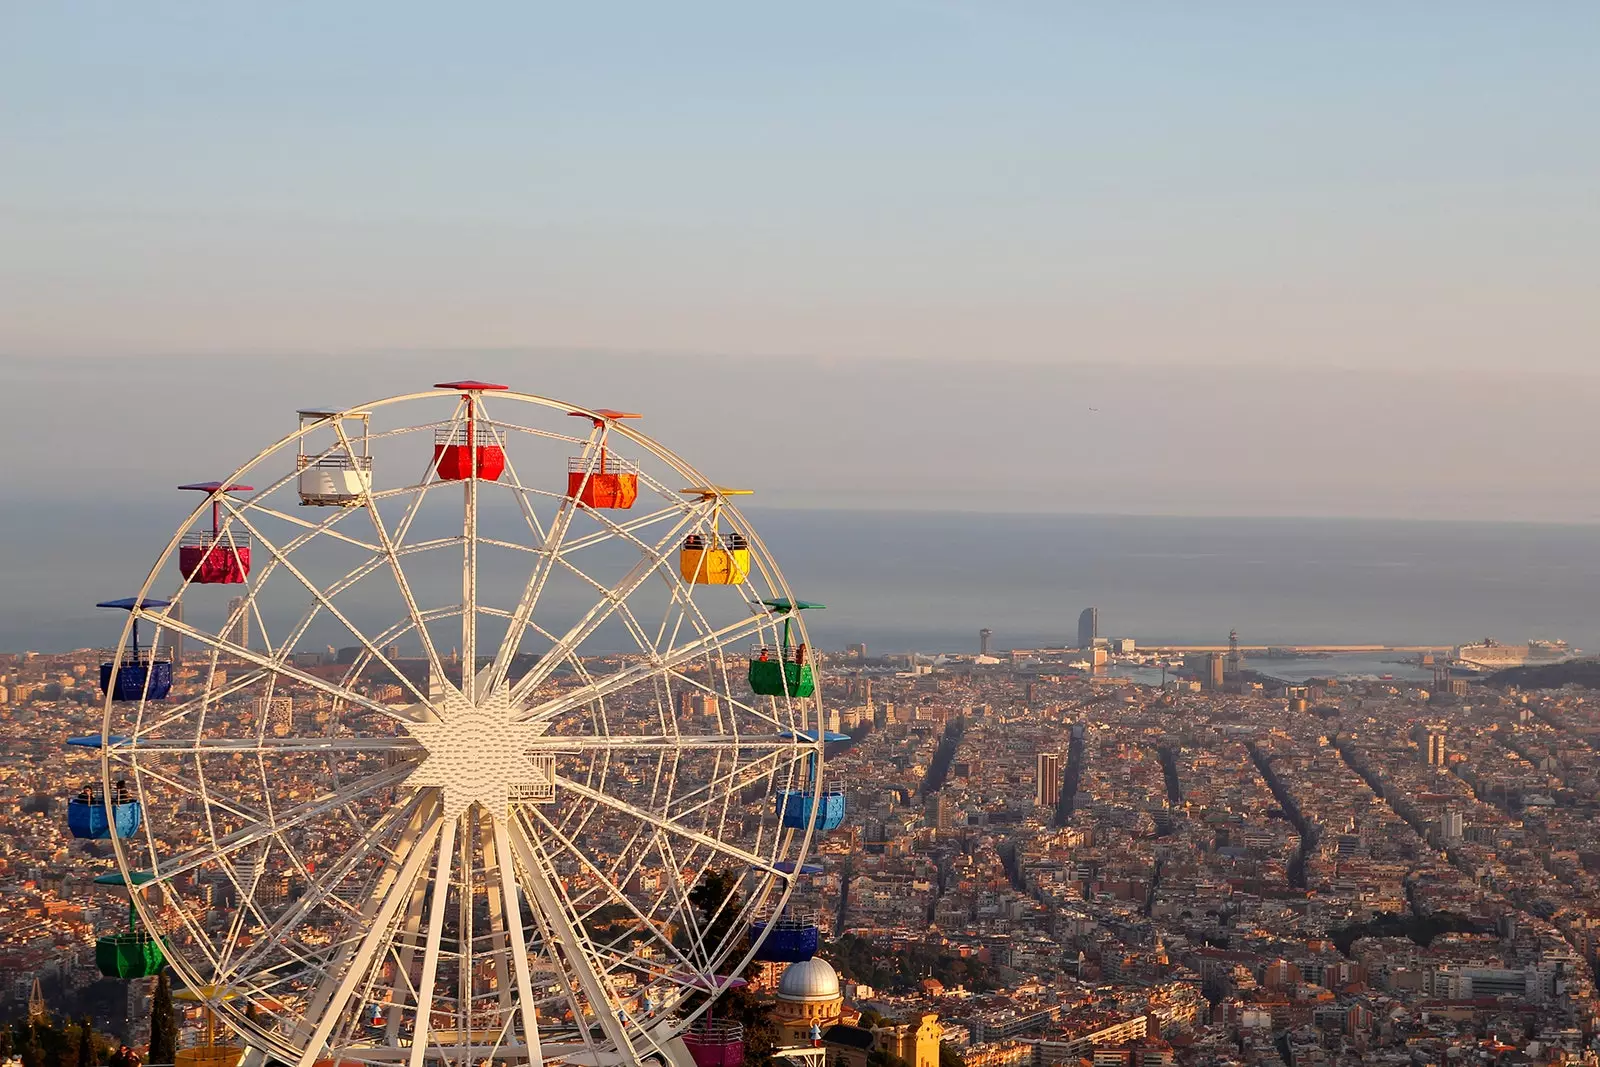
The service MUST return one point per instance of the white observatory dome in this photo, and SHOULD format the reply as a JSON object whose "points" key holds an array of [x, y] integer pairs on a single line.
{"points": [[809, 981]]}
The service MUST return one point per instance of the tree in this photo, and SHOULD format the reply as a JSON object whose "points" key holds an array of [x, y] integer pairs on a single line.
{"points": [[716, 898], [29, 1048], [163, 1026], [87, 1056], [949, 1057]]}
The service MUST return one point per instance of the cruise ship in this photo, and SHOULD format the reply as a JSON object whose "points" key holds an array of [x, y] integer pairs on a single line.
{"points": [[1491, 655]]}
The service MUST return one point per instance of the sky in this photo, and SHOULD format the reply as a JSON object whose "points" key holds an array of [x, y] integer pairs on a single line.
{"points": [[1302, 259]]}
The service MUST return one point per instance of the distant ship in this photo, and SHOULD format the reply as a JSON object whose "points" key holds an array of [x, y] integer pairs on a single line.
{"points": [[1491, 655]]}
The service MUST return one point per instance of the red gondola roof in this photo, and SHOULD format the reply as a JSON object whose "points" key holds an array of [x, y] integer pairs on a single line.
{"points": [[468, 386], [606, 413], [218, 487]]}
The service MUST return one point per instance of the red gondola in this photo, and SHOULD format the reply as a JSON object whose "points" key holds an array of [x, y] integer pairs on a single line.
{"points": [[470, 450], [601, 480], [216, 556]]}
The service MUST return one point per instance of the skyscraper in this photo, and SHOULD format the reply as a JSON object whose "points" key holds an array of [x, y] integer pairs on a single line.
{"points": [[1047, 786], [1435, 749], [1214, 670], [239, 630], [1088, 627], [983, 641], [175, 613]]}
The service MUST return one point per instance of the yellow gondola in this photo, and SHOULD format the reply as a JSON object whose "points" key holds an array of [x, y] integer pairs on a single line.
{"points": [[714, 557], [209, 1054]]}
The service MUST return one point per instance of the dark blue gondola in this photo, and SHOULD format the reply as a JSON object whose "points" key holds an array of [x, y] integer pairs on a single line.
{"points": [[137, 674], [95, 741], [795, 807], [788, 940], [790, 867], [86, 817], [828, 736]]}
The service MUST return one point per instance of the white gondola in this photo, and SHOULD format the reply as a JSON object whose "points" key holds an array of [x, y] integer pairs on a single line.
{"points": [[334, 462]]}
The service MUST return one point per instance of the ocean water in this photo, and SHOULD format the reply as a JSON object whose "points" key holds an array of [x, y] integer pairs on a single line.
{"points": [[928, 581]]}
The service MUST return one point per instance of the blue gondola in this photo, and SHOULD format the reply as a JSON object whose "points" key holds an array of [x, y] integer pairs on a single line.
{"points": [[86, 817], [115, 878], [790, 867], [788, 940], [137, 674], [795, 807], [95, 741]]}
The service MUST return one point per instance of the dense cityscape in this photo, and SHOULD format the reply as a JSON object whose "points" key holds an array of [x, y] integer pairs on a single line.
{"points": [[882, 533], [1045, 864]]}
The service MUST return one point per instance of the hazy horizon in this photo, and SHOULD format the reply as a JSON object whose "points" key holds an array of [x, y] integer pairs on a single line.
{"points": [[814, 433], [1000, 257]]}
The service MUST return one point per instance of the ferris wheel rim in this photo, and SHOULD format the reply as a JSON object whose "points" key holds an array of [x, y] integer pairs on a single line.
{"points": [[804, 839]]}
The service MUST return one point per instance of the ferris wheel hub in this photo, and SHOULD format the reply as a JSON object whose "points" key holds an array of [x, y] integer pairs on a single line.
{"points": [[477, 753]]}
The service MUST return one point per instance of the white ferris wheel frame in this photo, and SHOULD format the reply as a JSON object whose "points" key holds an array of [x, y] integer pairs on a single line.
{"points": [[520, 854]]}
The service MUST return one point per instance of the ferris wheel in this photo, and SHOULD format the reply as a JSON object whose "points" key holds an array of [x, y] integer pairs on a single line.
{"points": [[500, 681]]}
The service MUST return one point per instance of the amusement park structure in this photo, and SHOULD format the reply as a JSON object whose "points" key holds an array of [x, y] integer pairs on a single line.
{"points": [[472, 834]]}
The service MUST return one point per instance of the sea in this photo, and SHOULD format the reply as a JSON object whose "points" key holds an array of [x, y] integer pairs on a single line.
{"points": [[928, 581]]}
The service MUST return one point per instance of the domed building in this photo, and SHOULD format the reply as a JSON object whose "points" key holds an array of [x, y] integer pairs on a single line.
{"points": [[808, 995]]}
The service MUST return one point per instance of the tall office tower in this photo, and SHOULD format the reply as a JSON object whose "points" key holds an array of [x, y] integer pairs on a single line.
{"points": [[278, 713], [1435, 749], [983, 641], [175, 613], [239, 632], [1214, 669], [1452, 826], [1088, 627], [1047, 785]]}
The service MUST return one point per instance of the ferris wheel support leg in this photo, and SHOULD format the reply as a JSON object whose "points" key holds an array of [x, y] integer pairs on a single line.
{"points": [[407, 955], [326, 1007], [512, 911], [465, 914], [493, 892], [546, 897], [430, 954]]}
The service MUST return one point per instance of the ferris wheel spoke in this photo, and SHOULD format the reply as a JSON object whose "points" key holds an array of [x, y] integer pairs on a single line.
{"points": [[276, 666], [659, 742], [639, 672], [665, 823], [611, 529], [607, 884], [207, 698], [328, 1002], [319, 891], [325, 528], [549, 899], [739, 777], [469, 576], [522, 617], [324, 601], [204, 746], [566, 646], [402, 583], [724, 696], [265, 826]]}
